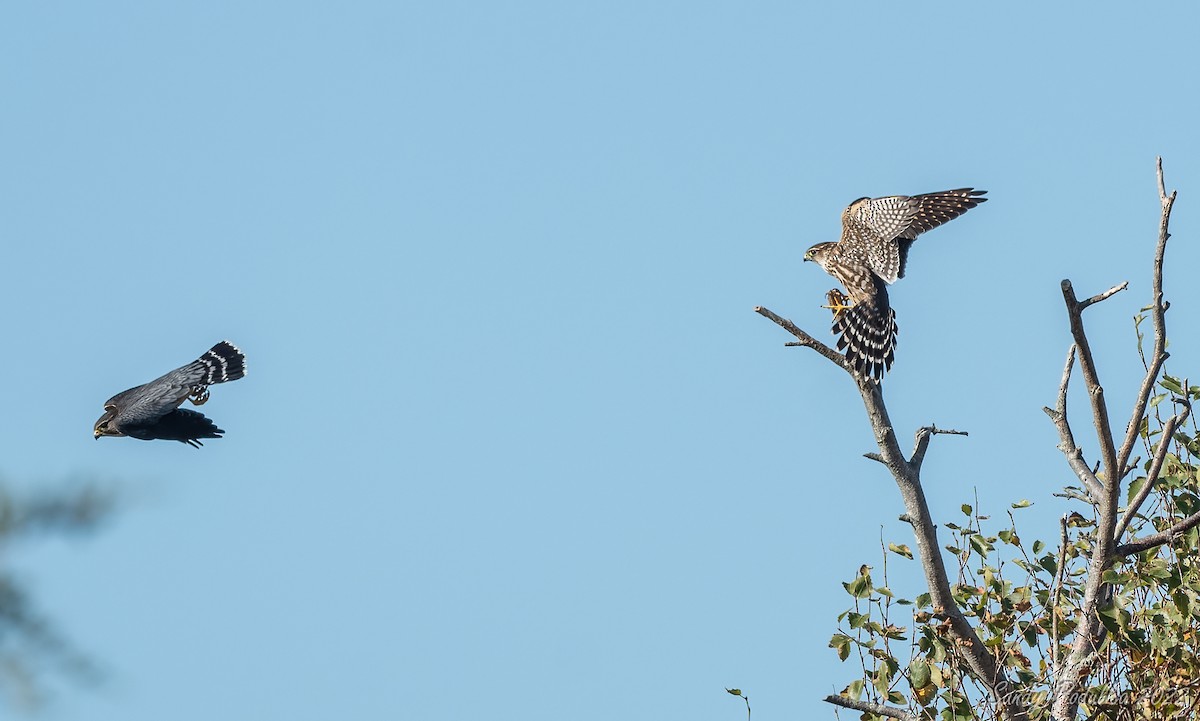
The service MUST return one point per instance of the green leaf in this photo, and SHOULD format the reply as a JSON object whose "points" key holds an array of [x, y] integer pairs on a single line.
{"points": [[901, 549], [918, 673], [854, 690], [1171, 383], [1023, 503], [966, 509], [1134, 487], [841, 642], [1038, 546], [734, 691], [980, 544], [859, 587]]}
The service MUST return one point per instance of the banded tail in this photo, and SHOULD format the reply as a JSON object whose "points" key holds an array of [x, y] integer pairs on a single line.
{"points": [[221, 363], [866, 334]]}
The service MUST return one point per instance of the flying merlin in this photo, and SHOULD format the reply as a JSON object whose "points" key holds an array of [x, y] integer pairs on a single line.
{"points": [[876, 236], [152, 410]]}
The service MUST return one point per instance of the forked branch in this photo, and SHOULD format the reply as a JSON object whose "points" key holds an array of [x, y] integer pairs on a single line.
{"points": [[1106, 491], [907, 474]]}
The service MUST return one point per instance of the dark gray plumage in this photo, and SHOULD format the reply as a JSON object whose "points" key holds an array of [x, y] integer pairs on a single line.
{"points": [[151, 411]]}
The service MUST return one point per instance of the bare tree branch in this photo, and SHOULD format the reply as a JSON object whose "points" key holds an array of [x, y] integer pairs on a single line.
{"points": [[922, 444], [1160, 454], [907, 474], [806, 340], [1104, 296], [1066, 437], [1087, 365], [1157, 539], [1089, 633], [868, 707], [1056, 595], [1158, 311]]}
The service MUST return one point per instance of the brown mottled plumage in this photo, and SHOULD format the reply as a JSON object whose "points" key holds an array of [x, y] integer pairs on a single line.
{"points": [[873, 252]]}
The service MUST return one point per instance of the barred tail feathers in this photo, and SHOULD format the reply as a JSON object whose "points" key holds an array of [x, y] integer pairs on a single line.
{"points": [[222, 363], [868, 338]]}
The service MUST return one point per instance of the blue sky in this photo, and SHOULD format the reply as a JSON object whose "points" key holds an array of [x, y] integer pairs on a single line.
{"points": [[512, 442]]}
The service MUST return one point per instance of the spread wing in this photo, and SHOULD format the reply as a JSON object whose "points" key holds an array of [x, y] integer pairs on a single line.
{"points": [[885, 228], [180, 425], [148, 402]]}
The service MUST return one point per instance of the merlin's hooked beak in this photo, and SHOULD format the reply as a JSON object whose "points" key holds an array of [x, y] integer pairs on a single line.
{"points": [[96, 433]]}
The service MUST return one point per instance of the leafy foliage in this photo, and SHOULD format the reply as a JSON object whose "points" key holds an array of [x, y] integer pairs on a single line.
{"points": [[1024, 599]]}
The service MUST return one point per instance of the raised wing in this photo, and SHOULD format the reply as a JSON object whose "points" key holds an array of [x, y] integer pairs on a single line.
{"points": [[934, 209], [884, 228]]}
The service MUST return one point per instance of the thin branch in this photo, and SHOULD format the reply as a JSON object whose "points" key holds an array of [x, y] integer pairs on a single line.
{"points": [[806, 340], [1087, 365], [1089, 632], [1056, 595], [868, 707], [924, 434], [1160, 455], [1074, 494], [1157, 539], [1103, 296], [1158, 313], [1066, 437]]}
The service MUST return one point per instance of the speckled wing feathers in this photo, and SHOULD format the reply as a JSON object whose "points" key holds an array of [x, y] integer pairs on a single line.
{"points": [[872, 252], [884, 228]]}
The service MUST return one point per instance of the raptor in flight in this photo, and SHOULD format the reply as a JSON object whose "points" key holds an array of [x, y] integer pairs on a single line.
{"points": [[873, 250], [152, 410]]}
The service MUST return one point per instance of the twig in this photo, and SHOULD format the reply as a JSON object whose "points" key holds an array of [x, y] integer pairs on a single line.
{"points": [[738, 692], [924, 434], [1103, 296], [1160, 455], [1158, 314], [1087, 365], [1056, 595], [868, 707], [1157, 539], [1066, 437], [806, 340], [1074, 495]]}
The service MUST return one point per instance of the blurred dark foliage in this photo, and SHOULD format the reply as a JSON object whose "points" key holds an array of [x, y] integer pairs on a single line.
{"points": [[33, 654]]}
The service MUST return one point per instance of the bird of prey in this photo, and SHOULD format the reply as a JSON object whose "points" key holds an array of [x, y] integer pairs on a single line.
{"points": [[872, 253], [152, 410]]}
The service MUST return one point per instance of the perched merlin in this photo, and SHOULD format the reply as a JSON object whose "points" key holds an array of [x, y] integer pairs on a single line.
{"points": [[152, 410], [876, 236]]}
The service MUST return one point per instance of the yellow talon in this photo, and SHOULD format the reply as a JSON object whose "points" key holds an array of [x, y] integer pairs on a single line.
{"points": [[838, 301]]}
